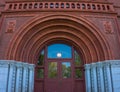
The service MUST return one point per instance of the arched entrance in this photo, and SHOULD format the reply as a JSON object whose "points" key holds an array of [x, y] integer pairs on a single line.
{"points": [[59, 69], [40, 32]]}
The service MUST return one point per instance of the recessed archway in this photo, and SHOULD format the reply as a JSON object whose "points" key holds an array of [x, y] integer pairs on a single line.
{"points": [[42, 31], [27, 43]]}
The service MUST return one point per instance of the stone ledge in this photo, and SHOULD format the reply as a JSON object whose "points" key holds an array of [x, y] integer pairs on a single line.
{"points": [[107, 73], [15, 75]]}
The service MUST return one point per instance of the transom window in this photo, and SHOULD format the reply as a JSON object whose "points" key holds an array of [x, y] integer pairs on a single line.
{"points": [[59, 51]]}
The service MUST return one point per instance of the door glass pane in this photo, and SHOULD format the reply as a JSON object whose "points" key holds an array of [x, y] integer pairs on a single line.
{"points": [[52, 70], [78, 73], [59, 51], [66, 69], [40, 73], [41, 58], [78, 61]]}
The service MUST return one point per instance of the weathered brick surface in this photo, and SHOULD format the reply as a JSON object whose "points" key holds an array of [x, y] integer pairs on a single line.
{"points": [[12, 46]]}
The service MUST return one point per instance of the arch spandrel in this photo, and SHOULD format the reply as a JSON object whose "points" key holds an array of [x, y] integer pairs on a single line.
{"points": [[27, 41]]}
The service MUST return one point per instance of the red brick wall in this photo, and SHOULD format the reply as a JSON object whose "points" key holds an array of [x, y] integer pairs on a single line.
{"points": [[98, 19], [116, 5], [115, 2]]}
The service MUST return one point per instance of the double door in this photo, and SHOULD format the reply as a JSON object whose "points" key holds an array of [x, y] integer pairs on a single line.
{"points": [[59, 75], [59, 69]]}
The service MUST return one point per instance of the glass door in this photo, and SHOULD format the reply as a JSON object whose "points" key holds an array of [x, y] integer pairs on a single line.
{"points": [[59, 74], [59, 69]]}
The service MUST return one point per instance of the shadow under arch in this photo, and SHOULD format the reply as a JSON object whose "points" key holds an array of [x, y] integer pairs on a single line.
{"points": [[25, 44]]}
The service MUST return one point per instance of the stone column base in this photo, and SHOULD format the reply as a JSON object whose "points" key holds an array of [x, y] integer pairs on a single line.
{"points": [[103, 76], [16, 76]]}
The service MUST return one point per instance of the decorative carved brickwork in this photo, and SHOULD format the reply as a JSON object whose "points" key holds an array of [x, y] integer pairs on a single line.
{"points": [[108, 27], [68, 6], [11, 26]]}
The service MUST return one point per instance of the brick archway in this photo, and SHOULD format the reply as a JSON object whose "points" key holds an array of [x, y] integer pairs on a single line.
{"points": [[27, 43]]}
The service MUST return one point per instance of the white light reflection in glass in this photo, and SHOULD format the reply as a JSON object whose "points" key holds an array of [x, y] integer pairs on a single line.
{"points": [[59, 55]]}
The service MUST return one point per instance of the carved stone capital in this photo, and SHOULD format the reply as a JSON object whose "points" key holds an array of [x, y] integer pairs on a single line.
{"points": [[87, 66], [93, 65], [106, 63], [4, 63], [19, 64], [25, 65], [114, 62], [31, 66], [99, 64]]}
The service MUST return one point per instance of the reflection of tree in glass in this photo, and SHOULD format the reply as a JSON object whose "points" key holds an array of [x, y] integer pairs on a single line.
{"points": [[40, 73], [77, 59], [52, 70], [78, 73], [66, 71], [41, 59]]}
